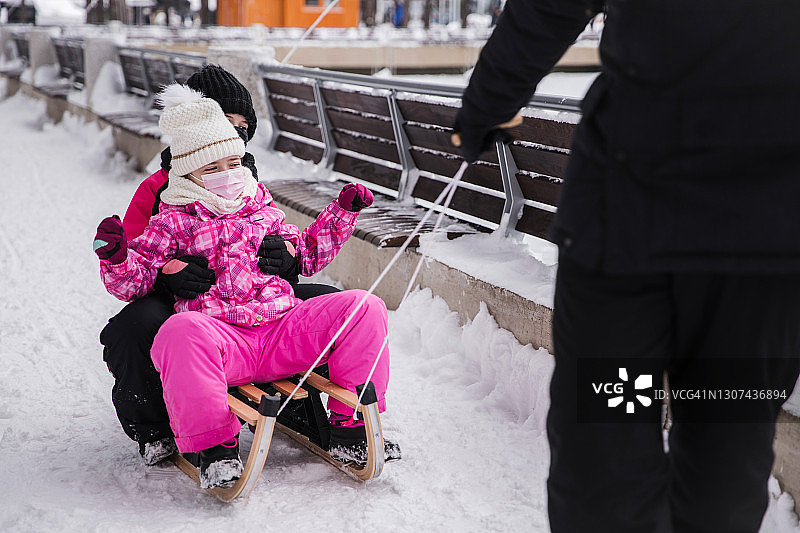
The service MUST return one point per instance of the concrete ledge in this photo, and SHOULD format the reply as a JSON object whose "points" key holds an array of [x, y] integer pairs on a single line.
{"points": [[786, 468], [360, 263]]}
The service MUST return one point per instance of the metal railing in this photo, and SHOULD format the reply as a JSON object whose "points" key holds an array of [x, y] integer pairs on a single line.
{"points": [[514, 198]]}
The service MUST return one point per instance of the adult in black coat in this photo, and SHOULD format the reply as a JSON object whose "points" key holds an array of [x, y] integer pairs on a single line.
{"points": [[679, 253]]}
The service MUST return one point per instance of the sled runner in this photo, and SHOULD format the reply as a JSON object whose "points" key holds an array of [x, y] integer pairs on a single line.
{"points": [[258, 406]]}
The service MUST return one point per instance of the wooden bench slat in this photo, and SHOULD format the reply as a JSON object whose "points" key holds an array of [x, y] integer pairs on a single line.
{"points": [[299, 90], [294, 108], [158, 73], [358, 101], [539, 161], [361, 124], [428, 113], [439, 140], [475, 203], [546, 132], [535, 222], [132, 71], [302, 128], [374, 147], [367, 171], [479, 173], [306, 151], [539, 188]]}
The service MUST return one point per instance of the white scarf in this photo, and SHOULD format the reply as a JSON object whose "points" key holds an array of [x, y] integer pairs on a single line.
{"points": [[183, 191]]}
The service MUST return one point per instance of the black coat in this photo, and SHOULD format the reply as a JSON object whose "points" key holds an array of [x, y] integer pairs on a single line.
{"points": [[688, 154]]}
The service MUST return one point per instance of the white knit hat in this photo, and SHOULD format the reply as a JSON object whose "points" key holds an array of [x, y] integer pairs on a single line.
{"points": [[198, 129]]}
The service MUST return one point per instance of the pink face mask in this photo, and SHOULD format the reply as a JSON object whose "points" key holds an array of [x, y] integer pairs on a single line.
{"points": [[227, 183]]}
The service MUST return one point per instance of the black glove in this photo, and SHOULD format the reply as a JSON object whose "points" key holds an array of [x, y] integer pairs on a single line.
{"points": [[275, 258], [186, 277], [475, 140]]}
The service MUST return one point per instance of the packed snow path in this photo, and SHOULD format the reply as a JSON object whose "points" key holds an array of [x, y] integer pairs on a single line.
{"points": [[467, 404]]}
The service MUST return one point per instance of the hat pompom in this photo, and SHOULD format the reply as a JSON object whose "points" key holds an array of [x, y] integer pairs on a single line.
{"points": [[177, 94]]}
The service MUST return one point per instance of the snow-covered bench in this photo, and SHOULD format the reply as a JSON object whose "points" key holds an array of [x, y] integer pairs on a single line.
{"points": [[394, 137], [69, 53], [146, 72], [22, 59]]}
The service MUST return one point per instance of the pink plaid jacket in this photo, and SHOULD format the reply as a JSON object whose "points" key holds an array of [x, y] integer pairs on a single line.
{"points": [[242, 294]]}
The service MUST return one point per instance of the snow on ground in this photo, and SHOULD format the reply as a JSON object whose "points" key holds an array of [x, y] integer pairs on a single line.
{"points": [[466, 403]]}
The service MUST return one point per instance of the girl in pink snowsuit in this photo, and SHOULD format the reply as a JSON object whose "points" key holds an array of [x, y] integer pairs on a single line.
{"points": [[248, 326]]}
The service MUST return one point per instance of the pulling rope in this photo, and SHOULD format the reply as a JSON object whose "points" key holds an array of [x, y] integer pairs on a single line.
{"points": [[309, 30], [423, 256], [447, 193]]}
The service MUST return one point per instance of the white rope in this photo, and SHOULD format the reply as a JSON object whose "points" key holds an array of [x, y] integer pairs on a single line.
{"points": [[309, 30], [447, 201], [446, 192]]}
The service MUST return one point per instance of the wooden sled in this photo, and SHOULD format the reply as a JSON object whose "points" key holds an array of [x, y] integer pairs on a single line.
{"points": [[258, 406]]}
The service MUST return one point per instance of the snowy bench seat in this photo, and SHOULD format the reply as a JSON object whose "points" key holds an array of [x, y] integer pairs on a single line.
{"points": [[385, 224]]}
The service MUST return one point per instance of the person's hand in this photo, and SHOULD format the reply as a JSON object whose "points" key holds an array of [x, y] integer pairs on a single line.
{"points": [[474, 140], [110, 242], [276, 256], [186, 277], [355, 197]]}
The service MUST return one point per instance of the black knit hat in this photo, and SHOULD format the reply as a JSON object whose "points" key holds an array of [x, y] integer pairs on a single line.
{"points": [[218, 84]]}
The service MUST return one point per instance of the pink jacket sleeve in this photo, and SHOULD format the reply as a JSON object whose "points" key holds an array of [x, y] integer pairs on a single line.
{"points": [[136, 276], [321, 241], [141, 207]]}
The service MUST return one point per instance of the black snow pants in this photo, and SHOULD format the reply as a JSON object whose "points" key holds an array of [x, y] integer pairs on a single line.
{"points": [[127, 338], [616, 476]]}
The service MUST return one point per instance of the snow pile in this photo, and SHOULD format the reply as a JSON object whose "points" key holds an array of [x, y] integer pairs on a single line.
{"points": [[508, 376], [499, 261]]}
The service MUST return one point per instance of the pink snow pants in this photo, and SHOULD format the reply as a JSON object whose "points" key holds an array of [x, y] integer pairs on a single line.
{"points": [[199, 357]]}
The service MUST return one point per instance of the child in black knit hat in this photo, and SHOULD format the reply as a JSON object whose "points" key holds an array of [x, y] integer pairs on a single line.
{"points": [[137, 392]]}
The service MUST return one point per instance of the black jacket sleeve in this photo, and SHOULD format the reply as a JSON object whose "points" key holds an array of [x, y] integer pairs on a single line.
{"points": [[530, 37]]}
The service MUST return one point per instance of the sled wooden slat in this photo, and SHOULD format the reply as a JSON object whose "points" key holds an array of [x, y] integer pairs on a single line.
{"points": [[333, 390], [242, 410], [285, 387]]}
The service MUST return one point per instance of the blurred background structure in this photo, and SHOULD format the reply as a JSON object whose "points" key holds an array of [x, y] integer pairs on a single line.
{"points": [[271, 13]]}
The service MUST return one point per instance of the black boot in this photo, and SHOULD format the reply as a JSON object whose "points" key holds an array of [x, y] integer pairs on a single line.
{"points": [[220, 465], [349, 445], [156, 451]]}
